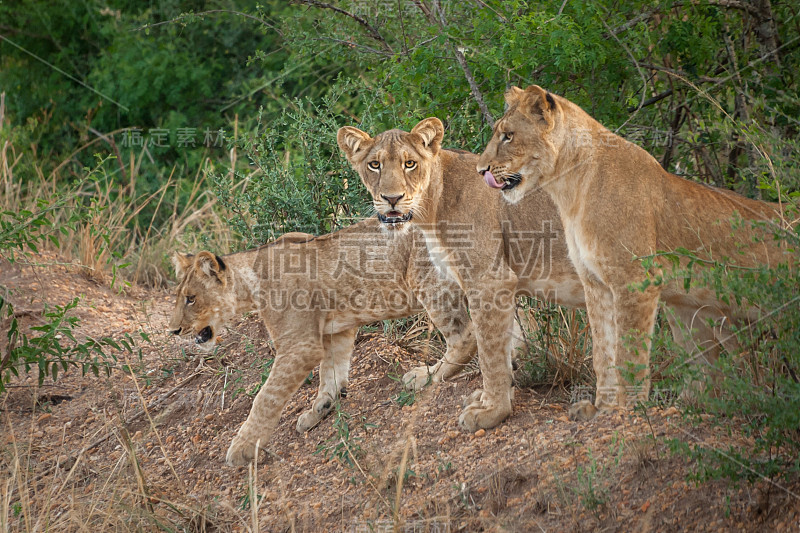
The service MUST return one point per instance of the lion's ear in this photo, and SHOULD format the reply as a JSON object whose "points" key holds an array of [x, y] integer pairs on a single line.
{"points": [[540, 103], [211, 266], [351, 140], [512, 96], [431, 131], [181, 262]]}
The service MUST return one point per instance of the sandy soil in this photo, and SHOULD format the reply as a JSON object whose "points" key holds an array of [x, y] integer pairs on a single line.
{"points": [[143, 449]]}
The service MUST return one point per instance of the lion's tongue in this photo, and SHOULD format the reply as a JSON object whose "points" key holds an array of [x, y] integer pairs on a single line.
{"points": [[491, 181]]}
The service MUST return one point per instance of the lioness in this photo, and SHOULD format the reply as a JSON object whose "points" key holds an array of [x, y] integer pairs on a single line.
{"points": [[492, 248], [617, 204], [312, 293]]}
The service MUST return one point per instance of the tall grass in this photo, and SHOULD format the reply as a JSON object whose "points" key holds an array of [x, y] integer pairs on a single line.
{"points": [[113, 239]]}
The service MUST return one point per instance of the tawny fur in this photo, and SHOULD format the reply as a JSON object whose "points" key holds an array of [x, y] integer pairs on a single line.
{"points": [[492, 248], [312, 294], [618, 204]]}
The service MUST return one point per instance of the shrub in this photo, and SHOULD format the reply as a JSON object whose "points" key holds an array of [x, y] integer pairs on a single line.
{"points": [[297, 180], [52, 346], [756, 392]]}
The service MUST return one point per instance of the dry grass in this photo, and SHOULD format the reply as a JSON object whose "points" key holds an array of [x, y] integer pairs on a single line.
{"points": [[112, 234], [558, 342], [78, 495]]}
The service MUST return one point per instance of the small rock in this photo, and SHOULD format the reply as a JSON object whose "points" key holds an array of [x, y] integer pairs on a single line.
{"points": [[44, 416], [209, 417], [480, 433], [645, 506]]}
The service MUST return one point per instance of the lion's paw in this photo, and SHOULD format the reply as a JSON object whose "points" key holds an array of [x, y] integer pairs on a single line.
{"points": [[241, 452], [474, 398], [582, 411], [482, 414], [308, 420], [417, 378], [323, 405]]}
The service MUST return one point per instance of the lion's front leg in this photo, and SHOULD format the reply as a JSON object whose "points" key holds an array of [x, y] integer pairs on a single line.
{"points": [[635, 313], [622, 322], [288, 373], [600, 309], [333, 376], [493, 315]]}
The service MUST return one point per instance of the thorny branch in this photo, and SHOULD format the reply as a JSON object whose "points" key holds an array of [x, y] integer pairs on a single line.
{"points": [[459, 55], [373, 32]]}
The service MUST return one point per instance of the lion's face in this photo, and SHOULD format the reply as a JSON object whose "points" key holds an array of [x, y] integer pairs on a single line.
{"points": [[520, 154], [395, 166], [203, 300]]}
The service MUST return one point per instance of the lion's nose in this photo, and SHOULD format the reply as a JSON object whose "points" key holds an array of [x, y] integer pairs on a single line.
{"points": [[392, 199], [482, 171]]}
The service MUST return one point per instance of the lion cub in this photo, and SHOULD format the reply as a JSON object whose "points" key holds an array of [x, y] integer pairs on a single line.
{"points": [[617, 204], [312, 294]]}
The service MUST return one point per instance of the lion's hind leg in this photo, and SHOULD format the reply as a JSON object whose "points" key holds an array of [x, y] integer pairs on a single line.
{"points": [[693, 331], [333, 376]]}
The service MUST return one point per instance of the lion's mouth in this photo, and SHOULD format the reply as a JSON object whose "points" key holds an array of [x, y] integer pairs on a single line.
{"points": [[511, 181], [205, 335], [394, 217], [505, 184]]}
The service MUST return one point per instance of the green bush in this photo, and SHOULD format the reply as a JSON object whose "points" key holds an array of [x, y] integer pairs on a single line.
{"points": [[754, 393], [52, 346], [298, 180]]}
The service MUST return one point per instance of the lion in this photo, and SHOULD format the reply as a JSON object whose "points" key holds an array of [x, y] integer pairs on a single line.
{"points": [[494, 251], [492, 248], [312, 293], [617, 204]]}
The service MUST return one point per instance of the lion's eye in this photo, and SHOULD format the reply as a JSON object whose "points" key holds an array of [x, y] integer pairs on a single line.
{"points": [[507, 136], [410, 165], [374, 165], [189, 300]]}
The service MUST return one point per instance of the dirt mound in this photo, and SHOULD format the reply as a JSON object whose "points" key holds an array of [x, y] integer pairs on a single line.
{"points": [[144, 448]]}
